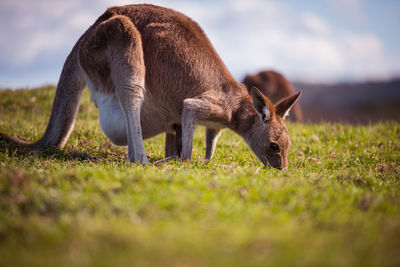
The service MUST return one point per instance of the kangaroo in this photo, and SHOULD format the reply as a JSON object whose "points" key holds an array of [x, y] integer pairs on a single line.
{"points": [[149, 69], [274, 85]]}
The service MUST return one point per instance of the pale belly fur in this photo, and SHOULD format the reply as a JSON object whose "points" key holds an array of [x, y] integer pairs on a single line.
{"points": [[113, 123], [112, 119]]}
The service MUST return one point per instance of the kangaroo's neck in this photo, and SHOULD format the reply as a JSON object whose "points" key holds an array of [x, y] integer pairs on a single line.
{"points": [[244, 118], [243, 114]]}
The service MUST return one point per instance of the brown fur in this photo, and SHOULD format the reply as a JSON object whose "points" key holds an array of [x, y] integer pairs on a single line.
{"points": [[275, 86], [151, 69]]}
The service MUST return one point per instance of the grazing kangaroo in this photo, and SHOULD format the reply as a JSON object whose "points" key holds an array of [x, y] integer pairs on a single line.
{"points": [[150, 69], [275, 86]]}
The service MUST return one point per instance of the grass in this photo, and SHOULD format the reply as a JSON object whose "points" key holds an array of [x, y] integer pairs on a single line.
{"points": [[85, 205]]}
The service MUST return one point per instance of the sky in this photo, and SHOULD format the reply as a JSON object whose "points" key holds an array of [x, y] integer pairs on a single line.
{"points": [[325, 41]]}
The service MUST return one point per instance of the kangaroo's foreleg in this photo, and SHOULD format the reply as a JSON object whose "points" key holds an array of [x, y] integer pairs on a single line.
{"points": [[211, 141], [194, 111], [173, 142]]}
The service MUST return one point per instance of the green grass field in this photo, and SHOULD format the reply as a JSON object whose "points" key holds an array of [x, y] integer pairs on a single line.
{"points": [[85, 205]]}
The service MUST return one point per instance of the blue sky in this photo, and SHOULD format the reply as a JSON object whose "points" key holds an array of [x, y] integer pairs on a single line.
{"points": [[309, 40]]}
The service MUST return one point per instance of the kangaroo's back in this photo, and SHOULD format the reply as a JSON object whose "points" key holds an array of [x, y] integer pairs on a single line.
{"points": [[180, 61]]}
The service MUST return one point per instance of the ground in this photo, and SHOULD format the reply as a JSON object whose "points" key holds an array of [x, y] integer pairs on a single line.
{"points": [[85, 205]]}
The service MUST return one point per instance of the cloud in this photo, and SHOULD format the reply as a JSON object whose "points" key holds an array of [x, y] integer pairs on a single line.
{"points": [[248, 35], [37, 29]]}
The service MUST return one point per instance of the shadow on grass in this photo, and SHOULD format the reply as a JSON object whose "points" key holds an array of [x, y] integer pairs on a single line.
{"points": [[14, 146]]}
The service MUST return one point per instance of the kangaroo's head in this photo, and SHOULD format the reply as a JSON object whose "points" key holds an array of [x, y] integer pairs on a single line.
{"points": [[268, 137]]}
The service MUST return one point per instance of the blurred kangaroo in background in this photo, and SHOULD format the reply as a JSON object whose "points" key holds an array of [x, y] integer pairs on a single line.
{"points": [[149, 69], [274, 85]]}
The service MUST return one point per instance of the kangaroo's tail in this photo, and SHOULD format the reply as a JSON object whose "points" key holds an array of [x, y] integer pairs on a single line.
{"points": [[65, 107], [14, 140]]}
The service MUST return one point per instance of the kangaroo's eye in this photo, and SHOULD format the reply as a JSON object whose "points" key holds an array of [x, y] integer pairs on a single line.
{"points": [[274, 146]]}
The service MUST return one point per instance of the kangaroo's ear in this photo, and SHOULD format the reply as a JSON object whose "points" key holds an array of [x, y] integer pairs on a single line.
{"points": [[262, 104], [283, 107]]}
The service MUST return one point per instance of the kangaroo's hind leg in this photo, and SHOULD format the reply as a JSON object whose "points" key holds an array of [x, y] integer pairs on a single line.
{"points": [[173, 142], [170, 145], [116, 44]]}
